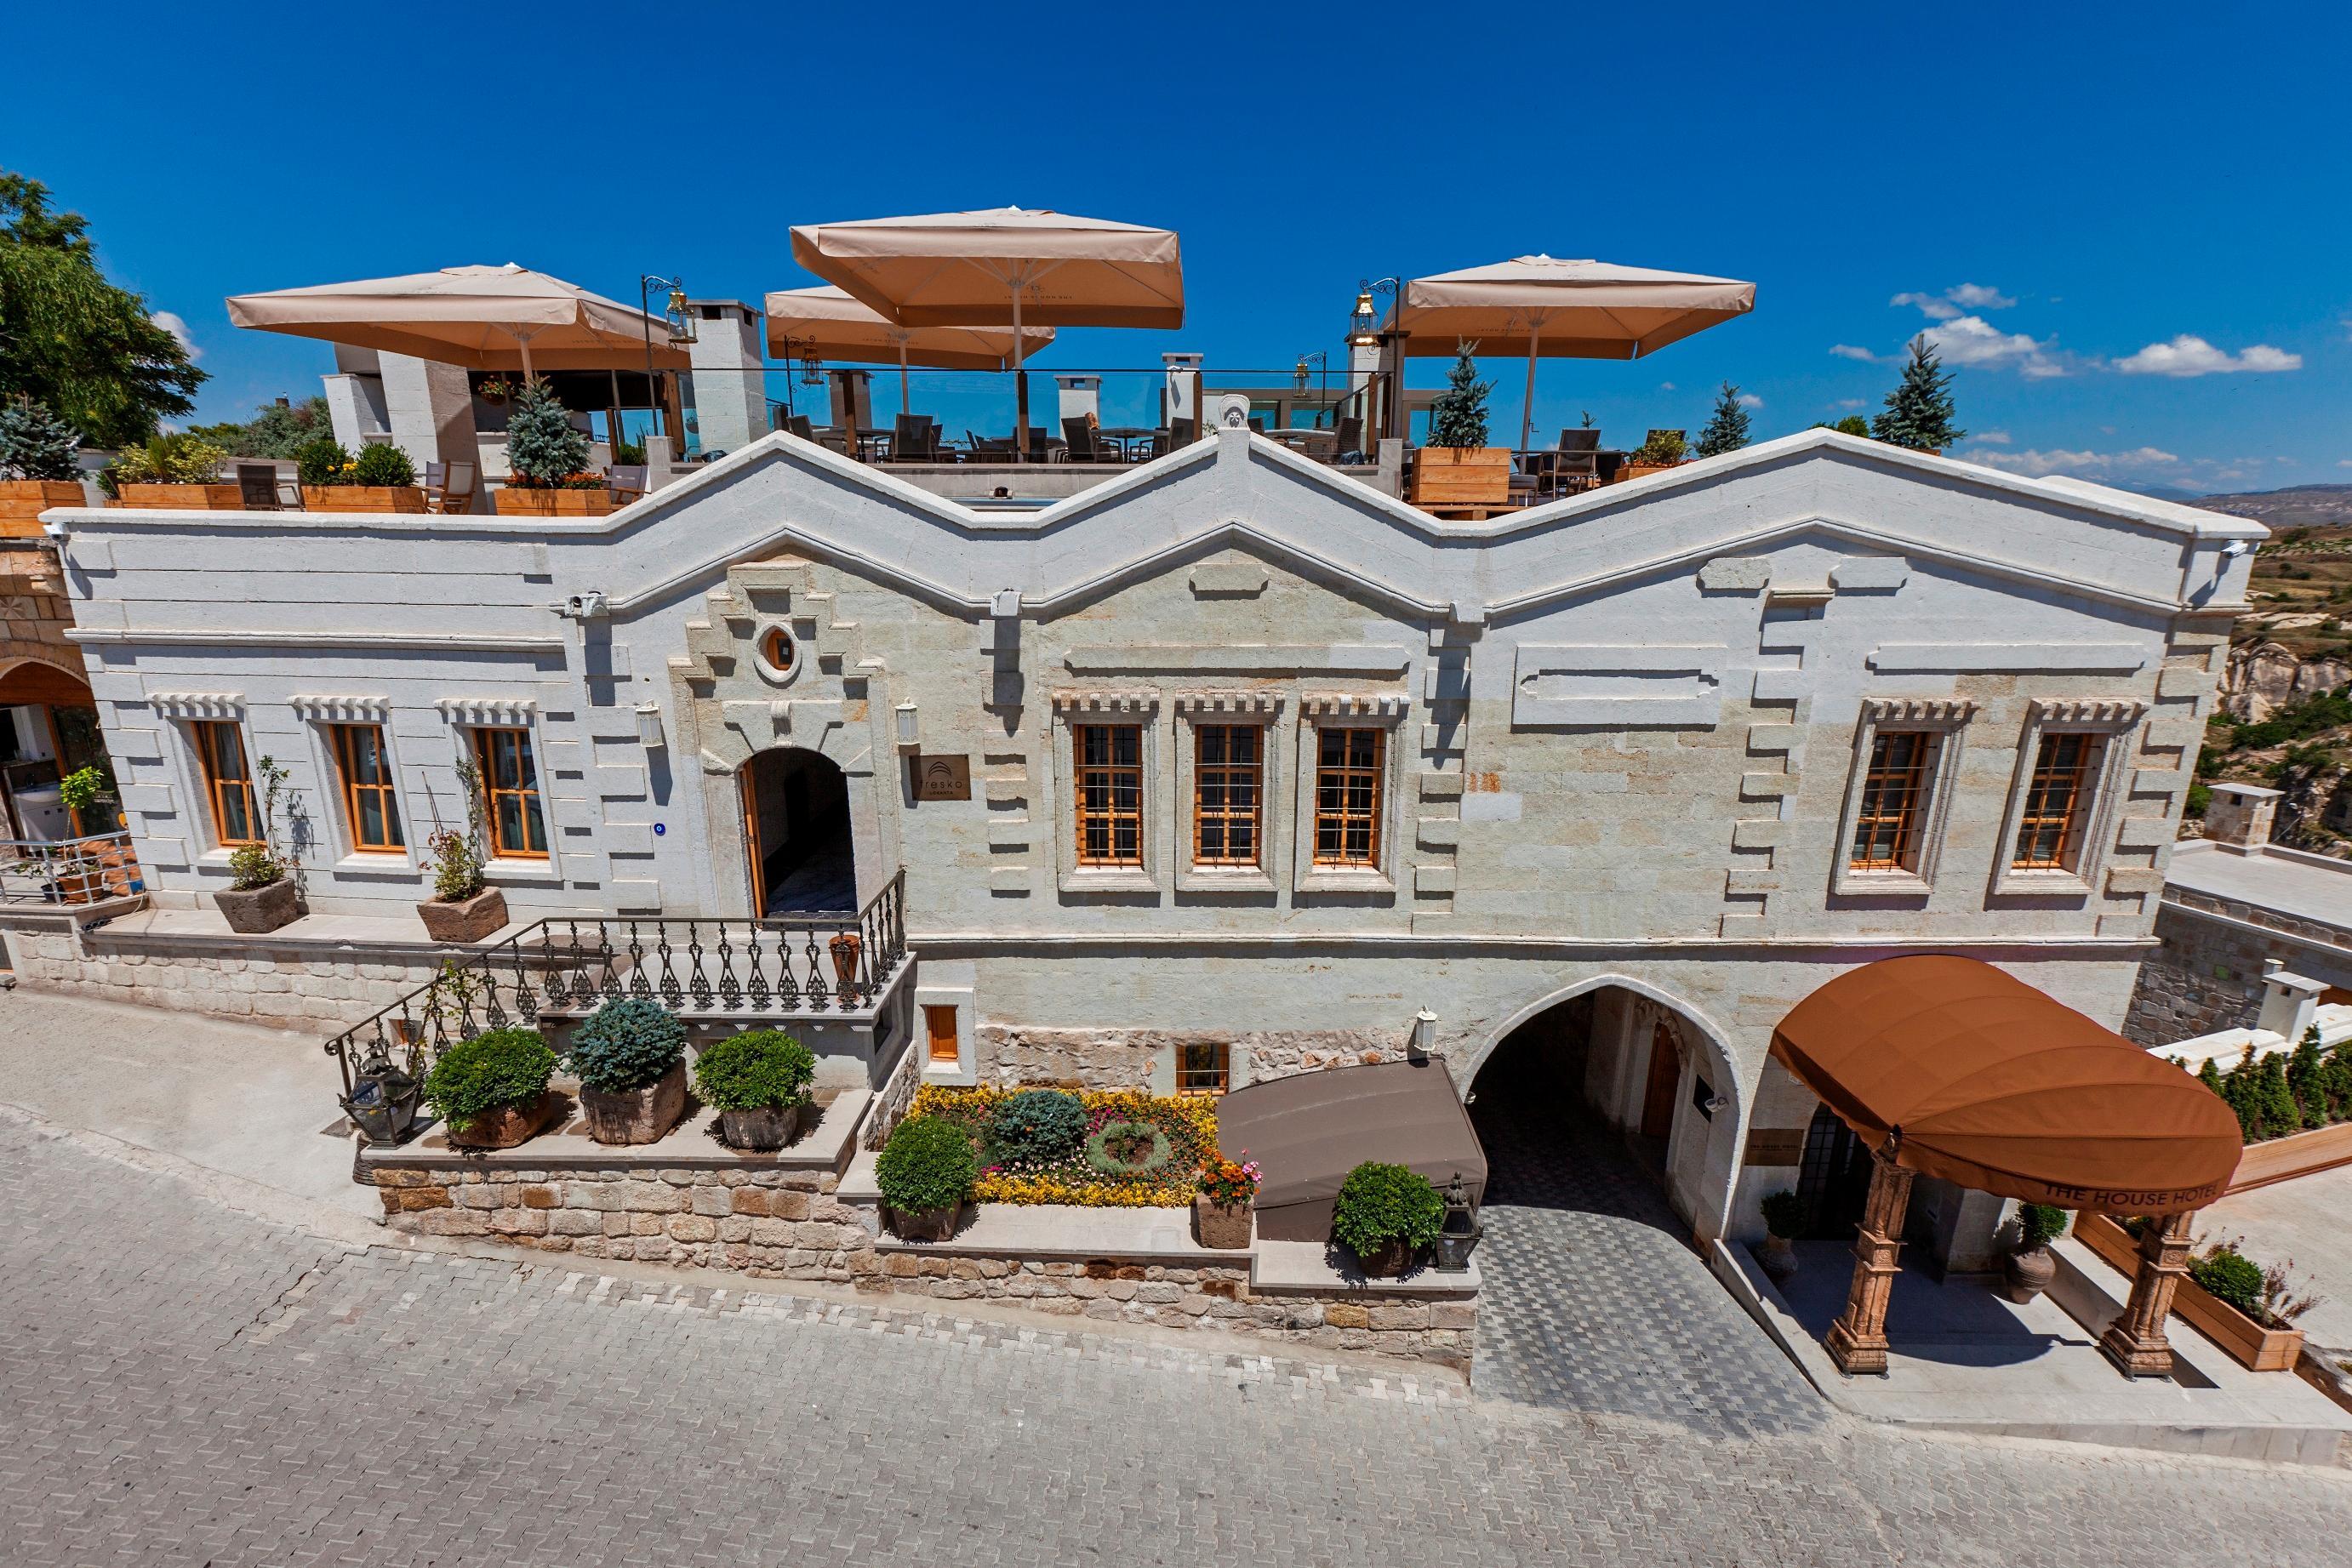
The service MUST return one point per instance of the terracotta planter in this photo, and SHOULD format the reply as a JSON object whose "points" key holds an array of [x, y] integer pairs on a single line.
{"points": [[2246, 1341], [1777, 1259], [505, 1126], [362, 498], [761, 1129], [2025, 1274], [1388, 1261], [516, 502], [1226, 1226], [253, 911], [845, 948], [925, 1225], [2297, 1154], [181, 498], [22, 502], [1467, 476], [635, 1115], [468, 920], [1640, 470]]}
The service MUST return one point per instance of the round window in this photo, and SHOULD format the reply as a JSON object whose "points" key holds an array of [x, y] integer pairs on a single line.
{"points": [[778, 651]]}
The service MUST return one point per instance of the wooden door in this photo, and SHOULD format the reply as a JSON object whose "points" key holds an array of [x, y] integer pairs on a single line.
{"points": [[1666, 1078]]}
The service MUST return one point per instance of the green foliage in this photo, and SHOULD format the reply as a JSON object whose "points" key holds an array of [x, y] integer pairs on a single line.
{"points": [[324, 462], [280, 430], [927, 1164], [2200, 801], [1851, 424], [2239, 1093], [87, 350], [2299, 760], [628, 453], [1727, 427], [1378, 1204], [2306, 1079], [177, 459], [2279, 1114], [500, 1068], [1035, 1128], [1457, 417], [252, 866], [2339, 1081], [383, 464], [2229, 1275], [85, 788], [2320, 711], [1784, 1214], [34, 443], [458, 857], [2038, 1224], [1664, 448], [625, 1045], [754, 1071], [1125, 1148], [1919, 411], [542, 448]]}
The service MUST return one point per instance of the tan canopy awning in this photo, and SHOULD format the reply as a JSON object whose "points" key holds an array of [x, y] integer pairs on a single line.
{"points": [[1004, 266], [828, 323], [1307, 1130], [1983, 1080], [482, 317], [1564, 310]]}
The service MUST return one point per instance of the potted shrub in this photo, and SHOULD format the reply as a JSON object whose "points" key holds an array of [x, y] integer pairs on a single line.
{"points": [[1385, 1215], [2028, 1270], [630, 1058], [36, 467], [491, 1092], [382, 478], [462, 909], [925, 1172], [178, 473], [1784, 1217], [758, 1081], [1224, 1210], [1664, 449], [1457, 468], [545, 455], [262, 894]]}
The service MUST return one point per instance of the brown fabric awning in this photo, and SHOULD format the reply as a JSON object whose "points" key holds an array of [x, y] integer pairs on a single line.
{"points": [[1308, 1131], [1996, 1086]]}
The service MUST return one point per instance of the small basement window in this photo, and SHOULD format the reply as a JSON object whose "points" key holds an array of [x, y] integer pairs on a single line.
{"points": [[1203, 1067]]}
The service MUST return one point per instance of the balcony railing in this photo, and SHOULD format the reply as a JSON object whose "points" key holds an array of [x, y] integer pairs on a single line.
{"points": [[566, 968], [68, 871]]}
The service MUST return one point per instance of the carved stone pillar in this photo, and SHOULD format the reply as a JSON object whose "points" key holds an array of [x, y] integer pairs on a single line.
{"points": [[2134, 1341], [1857, 1341]]}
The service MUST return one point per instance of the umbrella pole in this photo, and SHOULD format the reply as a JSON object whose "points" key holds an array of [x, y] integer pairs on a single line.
{"points": [[906, 404], [1528, 402], [1020, 387]]}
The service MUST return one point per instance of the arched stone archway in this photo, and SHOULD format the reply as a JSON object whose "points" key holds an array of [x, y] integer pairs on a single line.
{"points": [[800, 847]]}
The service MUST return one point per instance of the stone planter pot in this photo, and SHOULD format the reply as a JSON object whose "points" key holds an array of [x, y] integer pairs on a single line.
{"points": [[255, 910], [762, 1130], [2025, 1274], [1386, 1261], [22, 502], [362, 498], [1778, 1258], [635, 1115], [505, 1126], [1227, 1227], [925, 1225], [468, 920]]}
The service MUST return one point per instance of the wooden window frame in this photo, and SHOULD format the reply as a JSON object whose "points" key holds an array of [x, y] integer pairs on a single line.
{"points": [[216, 787], [2108, 729], [339, 740], [484, 758], [1372, 820], [1224, 773], [1216, 1081], [1382, 874], [1065, 796], [1083, 816], [2058, 795], [933, 1034], [1944, 723]]}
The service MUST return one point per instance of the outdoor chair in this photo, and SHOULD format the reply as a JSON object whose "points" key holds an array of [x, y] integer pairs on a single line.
{"points": [[1084, 443], [1349, 447], [798, 425], [626, 481], [915, 438], [450, 487], [989, 448], [260, 490], [1183, 433], [1579, 440], [1574, 472]]}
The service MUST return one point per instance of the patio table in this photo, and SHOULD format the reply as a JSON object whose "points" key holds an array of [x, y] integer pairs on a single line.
{"points": [[1125, 435]]}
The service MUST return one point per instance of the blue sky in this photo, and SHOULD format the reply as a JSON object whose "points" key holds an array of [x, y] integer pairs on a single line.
{"points": [[2131, 233]]}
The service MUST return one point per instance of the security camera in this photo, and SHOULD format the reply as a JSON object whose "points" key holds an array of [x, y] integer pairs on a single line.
{"points": [[2235, 548], [56, 530], [585, 606]]}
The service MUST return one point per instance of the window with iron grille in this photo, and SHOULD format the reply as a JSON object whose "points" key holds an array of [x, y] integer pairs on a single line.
{"points": [[369, 809], [1203, 1067], [1107, 777], [229, 783], [2057, 802], [510, 782], [1894, 804], [1348, 796], [1228, 793]]}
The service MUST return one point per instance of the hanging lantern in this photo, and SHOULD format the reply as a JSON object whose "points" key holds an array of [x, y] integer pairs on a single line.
{"points": [[384, 1097], [1360, 322], [811, 368], [681, 319], [1463, 1229]]}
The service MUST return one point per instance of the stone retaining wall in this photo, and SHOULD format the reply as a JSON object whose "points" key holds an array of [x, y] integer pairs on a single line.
{"points": [[1138, 1058], [308, 988], [790, 1225]]}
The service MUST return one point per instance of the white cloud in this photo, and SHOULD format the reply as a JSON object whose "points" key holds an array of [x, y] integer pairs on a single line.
{"points": [[1665, 386], [178, 329], [1977, 296], [1848, 351], [2344, 463], [1750, 399], [2037, 464], [1848, 403], [1934, 306], [2189, 355], [1991, 437], [1972, 341]]}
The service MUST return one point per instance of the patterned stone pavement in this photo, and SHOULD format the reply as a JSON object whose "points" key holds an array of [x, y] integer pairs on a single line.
{"points": [[188, 1385]]}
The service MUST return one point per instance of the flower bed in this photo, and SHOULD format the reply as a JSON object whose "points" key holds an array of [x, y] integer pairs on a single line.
{"points": [[1092, 1174]]}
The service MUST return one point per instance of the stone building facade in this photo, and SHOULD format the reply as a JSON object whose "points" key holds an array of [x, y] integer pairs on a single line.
{"points": [[1612, 754]]}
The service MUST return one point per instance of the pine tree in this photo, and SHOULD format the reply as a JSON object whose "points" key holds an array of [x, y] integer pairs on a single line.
{"points": [[2339, 1081], [1457, 417], [543, 447], [2279, 1115], [2306, 1079], [1726, 428], [1919, 409], [34, 443], [2239, 1090]]}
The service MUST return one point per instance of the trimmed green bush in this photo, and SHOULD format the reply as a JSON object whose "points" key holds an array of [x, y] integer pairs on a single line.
{"points": [[625, 1045], [1378, 1204], [475, 1077], [324, 462], [2040, 1224], [1037, 1127], [755, 1071], [384, 465], [927, 1164], [1784, 1214], [2228, 1275], [1100, 1145]]}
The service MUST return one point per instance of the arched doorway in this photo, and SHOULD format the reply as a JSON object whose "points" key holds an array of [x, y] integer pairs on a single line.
{"points": [[797, 832]]}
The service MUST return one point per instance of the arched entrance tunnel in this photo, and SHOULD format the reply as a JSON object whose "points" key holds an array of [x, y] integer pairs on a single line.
{"points": [[1593, 1297], [796, 830]]}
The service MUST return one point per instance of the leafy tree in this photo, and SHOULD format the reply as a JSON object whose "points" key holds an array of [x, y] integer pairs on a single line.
{"points": [[1727, 427], [280, 430], [1851, 424], [1457, 417], [34, 443], [70, 339], [1919, 411], [543, 447]]}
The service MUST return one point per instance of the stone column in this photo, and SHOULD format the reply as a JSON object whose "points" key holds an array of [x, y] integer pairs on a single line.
{"points": [[2134, 1341], [1857, 1341]]}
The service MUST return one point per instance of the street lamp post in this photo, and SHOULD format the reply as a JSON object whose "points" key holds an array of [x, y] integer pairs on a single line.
{"points": [[1362, 321], [680, 322]]}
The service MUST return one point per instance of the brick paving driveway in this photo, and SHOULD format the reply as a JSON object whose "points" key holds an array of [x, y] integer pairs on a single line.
{"points": [[186, 1384]]}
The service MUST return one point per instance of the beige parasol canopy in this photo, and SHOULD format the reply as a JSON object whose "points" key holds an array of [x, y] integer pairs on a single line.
{"points": [[482, 317], [1563, 309], [827, 323]]}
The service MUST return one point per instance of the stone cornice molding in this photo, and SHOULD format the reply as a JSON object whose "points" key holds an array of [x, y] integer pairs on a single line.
{"points": [[223, 706], [504, 711]]}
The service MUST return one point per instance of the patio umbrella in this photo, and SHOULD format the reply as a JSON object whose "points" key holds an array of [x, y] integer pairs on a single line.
{"points": [[482, 317], [1000, 267], [1564, 310], [826, 323]]}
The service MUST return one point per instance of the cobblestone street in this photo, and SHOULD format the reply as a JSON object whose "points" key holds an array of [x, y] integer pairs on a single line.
{"points": [[188, 1385]]}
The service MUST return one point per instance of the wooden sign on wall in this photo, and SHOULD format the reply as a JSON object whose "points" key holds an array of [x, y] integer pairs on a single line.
{"points": [[942, 777]]}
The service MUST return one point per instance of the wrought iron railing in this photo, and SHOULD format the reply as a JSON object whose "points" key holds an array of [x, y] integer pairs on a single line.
{"points": [[69, 871], [565, 966]]}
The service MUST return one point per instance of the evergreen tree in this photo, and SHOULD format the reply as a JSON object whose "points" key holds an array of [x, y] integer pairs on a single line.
{"points": [[2279, 1115], [2339, 1081], [1457, 417], [1919, 409], [1727, 427], [2239, 1090], [34, 443], [2306, 1079], [543, 447]]}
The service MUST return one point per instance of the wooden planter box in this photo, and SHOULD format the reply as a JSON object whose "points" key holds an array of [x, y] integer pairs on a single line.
{"points": [[514, 502], [2248, 1342], [2298, 1154], [1467, 476], [181, 498], [22, 502], [1641, 470], [362, 498]]}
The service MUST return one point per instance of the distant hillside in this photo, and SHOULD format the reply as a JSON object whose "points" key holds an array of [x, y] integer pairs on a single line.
{"points": [[2297, 506]]}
